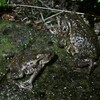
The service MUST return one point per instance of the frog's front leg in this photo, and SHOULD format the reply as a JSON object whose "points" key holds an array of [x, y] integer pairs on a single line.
{"points": [[15, 74]]}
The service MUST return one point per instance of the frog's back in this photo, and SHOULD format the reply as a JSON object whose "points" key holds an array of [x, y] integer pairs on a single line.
{"points": [[82, 37]]}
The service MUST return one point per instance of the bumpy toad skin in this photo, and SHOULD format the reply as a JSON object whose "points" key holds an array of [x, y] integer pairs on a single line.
{"points": [[36, 65], [81, 43], [32, 68]]}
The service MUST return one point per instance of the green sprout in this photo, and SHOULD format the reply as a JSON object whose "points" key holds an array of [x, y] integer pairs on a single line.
{"points": [[98, 1], [3, 3]]}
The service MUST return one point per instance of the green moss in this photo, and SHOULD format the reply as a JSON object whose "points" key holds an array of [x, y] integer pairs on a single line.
{"points": [[5, 45], [3, 3]]}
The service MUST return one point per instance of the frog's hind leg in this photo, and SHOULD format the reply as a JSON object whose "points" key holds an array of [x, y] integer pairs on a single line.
{"points": [[28, 83], [87, 69], [81, 70], [92, 67]]}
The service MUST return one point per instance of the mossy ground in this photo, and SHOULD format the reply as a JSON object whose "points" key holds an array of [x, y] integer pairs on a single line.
{"points": [[57, 81]]}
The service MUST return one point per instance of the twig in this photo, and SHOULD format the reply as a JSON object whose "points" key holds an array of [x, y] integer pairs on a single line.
{"points": [[48, 18], [43, 4], [37, 7], [43, 20]]}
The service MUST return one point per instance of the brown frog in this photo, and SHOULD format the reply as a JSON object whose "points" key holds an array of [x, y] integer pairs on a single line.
{"points": [[31, 67], [80, 42]]}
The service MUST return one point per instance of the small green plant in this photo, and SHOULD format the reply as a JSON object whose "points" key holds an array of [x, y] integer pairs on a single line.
{"points": [[98, 1], [3, 3]]}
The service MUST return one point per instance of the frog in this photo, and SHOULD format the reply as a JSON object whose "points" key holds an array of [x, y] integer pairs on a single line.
{"points": [[31, 67], [80, 42]]}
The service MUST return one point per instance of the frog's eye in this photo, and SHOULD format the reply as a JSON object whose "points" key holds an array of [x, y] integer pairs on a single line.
{"points": [[65, 29], [31, 63]]}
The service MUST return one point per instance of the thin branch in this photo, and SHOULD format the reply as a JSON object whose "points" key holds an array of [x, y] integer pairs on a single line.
{"points": [[43, 4], [43, 20], [37, 7], [48, 17]]}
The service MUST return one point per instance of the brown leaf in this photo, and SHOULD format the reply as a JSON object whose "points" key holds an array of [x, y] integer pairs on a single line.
{"points": [[8, 17]]}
